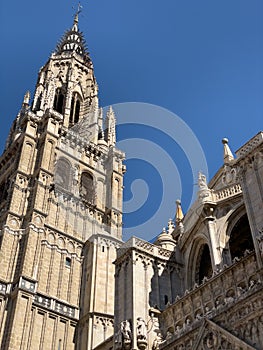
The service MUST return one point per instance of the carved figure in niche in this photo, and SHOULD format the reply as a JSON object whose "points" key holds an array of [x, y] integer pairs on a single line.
{"points": [[157, 341], [141, 329], [229, 175], [198, 316], [240, 291], [208, 312], [123, 336], [229, 300], [126, 330], [187, 324], [211, 341], [177, 330], [141, 334], [252, 284]]}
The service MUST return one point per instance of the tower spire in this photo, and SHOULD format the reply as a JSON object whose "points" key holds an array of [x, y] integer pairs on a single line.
{"points": [[76, 16], [73, 40]]}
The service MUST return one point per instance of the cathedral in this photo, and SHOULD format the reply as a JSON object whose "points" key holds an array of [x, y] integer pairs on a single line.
{"points": [[69, 282]]}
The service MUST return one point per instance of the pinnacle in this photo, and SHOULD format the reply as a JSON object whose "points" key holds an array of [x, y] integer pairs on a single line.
{"points": [[179, 212], [228, 155]]}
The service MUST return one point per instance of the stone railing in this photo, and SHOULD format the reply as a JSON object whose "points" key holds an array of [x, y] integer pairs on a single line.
{"points": [[146, 247], [227, 192], [215, 295], [56, 306], [250, 145]]}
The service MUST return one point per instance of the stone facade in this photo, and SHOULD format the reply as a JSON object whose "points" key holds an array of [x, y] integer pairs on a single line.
{"points": [[200, 286], [61, 210], [68, 281]]}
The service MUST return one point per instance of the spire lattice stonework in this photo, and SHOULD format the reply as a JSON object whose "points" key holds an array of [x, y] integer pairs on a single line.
{"points": [[73, 40]]}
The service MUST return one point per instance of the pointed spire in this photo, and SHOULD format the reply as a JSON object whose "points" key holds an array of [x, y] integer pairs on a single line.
{"points": [[111, 127], [179, 212], [73, 40], [228, 155], [26, 98], [76, 18]]}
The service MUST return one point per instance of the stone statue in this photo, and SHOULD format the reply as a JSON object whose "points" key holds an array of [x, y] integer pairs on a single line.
{"points": [[204, 191], [126, 330], [157, 341], [141, 334], [202, 184], [124, 336]]}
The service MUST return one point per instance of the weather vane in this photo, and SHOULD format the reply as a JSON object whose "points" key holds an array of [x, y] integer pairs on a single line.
{"points": [[76, 15], [79, 9]]}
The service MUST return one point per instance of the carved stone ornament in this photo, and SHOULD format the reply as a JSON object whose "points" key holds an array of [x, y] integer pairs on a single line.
{"points": [[204, 191], [141, 334], [157, 341], [229, 175], [123, 337], [210, 341]]}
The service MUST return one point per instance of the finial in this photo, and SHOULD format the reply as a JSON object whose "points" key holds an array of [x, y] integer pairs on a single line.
{"points": [[179, 212], [228, 155], [111, 126], [26, 98], [76, 16], [170, 226]]}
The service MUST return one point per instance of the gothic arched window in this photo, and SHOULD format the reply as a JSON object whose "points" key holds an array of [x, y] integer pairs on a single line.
{"points": [[204, 265], [74, 109], [4, 191], [59, 101], [38, 102], [63, 174], [240, 238], [87, 187]]}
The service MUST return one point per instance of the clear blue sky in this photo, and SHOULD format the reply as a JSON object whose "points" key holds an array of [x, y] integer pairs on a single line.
{"points": [[202, 60]]}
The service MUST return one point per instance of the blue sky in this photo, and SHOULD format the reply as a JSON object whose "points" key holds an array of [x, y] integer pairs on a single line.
{"points": [[202, 60]]}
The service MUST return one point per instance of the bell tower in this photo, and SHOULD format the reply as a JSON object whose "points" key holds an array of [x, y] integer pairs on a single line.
{"points": [[61, 182], [66, 83]]}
